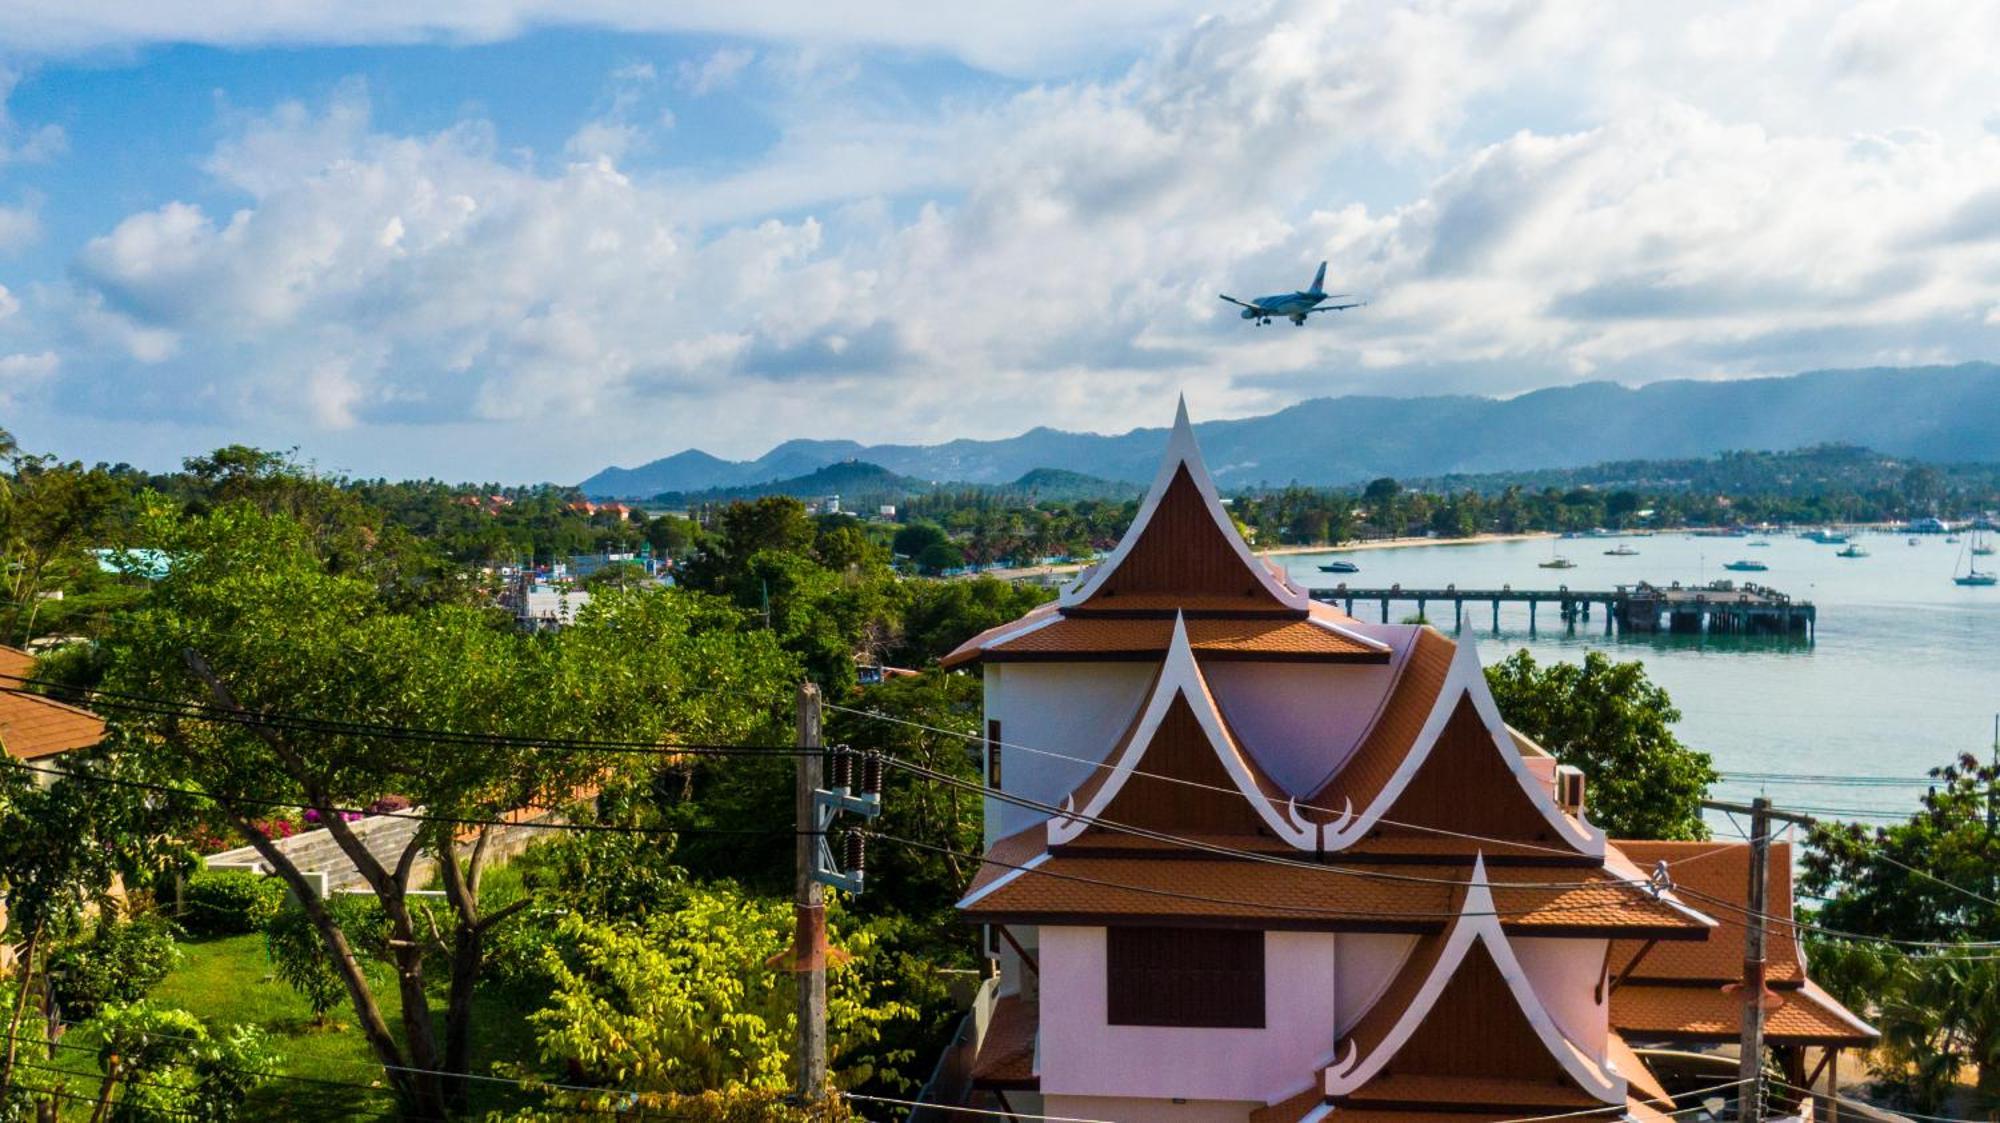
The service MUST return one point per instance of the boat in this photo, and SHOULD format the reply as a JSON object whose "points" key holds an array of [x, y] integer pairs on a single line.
{"points": [[1340, 567], [1622, 550], [1953, 539], [1759, 543], [1853, 550], [1745, 565], [1981, 548], [1916, 541], [1972, 575], [1825, 537], [1557, 563]]}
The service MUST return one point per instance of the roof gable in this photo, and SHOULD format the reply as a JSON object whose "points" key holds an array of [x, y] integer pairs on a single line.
{"points": [[1461, 767], [1182, 550], [1462, 1006], [1166, 771]]}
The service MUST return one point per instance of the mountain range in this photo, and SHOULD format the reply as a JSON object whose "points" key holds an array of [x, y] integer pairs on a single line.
{"points": [[1933, 413]]}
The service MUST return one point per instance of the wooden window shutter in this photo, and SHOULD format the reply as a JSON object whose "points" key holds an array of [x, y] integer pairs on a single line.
{"points": [[1199, 977], [993, 754]]}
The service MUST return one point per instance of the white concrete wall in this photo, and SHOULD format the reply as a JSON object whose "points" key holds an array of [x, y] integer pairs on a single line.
{"points": [[1083, 1055], [1074, 709], [1565, 974]]}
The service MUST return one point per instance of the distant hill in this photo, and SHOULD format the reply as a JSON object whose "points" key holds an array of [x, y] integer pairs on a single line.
{"points": [[862, 486], [1801, 473], [1937, 413]]}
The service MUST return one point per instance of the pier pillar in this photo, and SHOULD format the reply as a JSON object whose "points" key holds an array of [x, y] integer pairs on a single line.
{"points": [[1422, 616], [1385, 610], [1609, 616], [1457, 616], [1532, 605], [1496, 617], [1350, 606]]}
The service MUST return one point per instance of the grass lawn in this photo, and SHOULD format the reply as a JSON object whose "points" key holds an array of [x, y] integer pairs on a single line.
{"points": [[228, 980]]}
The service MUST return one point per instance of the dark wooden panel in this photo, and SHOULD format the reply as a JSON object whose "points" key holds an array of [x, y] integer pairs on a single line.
{"points": [[1477, 1029], [1180, 786], [1200, 977], [993, 754], [1465, 786], [1182, 551]]}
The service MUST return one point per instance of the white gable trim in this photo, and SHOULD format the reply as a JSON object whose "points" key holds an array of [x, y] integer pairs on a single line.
{"points": [[979, 894], [1181, 449], [1347, 633], [1465, 679], [1181, 676], [1478, 921]]}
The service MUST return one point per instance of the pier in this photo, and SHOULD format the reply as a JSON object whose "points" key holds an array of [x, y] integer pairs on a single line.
{"points": [[1717, 608]]}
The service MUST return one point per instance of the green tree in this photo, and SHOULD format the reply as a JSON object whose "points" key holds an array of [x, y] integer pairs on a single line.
{"points": [[937, 616], [165, 1063], [688, 1000], [1615, 724], [254, 616], [911, 541]]}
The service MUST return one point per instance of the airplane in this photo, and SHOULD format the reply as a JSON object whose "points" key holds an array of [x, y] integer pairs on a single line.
{"points": [[1294, 306]]}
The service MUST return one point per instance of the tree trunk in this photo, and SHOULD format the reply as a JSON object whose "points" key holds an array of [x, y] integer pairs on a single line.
{"points": [[23, 976]]}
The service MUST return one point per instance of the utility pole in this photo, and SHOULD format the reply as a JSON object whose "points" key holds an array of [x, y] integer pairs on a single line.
{"points": [[809, 905], [1750, 1069]]}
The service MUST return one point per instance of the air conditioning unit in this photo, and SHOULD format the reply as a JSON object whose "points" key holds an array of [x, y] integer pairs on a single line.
{"points": [[1569, 788]]}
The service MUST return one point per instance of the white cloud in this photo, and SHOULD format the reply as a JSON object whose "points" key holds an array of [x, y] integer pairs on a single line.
{"points": [[717, 71], [1709, 190]]}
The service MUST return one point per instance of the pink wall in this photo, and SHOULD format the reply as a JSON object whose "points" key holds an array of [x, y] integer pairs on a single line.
{"points": [[1083, 1056], [1564, 974], [1130, 1110], [1075, 709]]}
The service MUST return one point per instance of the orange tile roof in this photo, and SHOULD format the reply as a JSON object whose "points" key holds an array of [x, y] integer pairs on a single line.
{"points": [[1230, 891], [15, 665], [1805, 1015], [33, 727], [1294, 1108], [1643, 1084], [1193, 604], [1007, 1057], [1424, 1090], [1394, 732], [1715, 869], [1075, 637]]}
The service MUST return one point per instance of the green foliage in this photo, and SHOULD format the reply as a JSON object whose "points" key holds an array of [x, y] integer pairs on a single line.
{"points": [[686, 1001], [737, 1105], [171, 1065], [119, 962], [299, 957], [940, 615], [230, 902], [1615, 724], [1904, 880], [1939, 1013]]}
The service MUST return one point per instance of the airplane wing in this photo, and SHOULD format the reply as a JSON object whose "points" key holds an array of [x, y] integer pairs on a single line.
{"points": [[1242, 303], [1336, 307]]}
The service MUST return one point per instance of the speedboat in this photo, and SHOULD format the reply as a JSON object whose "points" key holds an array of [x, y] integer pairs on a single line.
{"points": [[1340, 567], [1622, 550], [1853, 550], [1557, 563], [1745, 565]]}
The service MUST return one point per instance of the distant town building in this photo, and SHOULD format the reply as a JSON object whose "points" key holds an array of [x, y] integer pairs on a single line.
{"points": [[886, 511], [1257, 861]]}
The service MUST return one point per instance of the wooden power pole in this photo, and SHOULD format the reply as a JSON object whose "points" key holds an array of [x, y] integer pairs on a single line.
{"points": [[1750, 1069], [809, 901]]}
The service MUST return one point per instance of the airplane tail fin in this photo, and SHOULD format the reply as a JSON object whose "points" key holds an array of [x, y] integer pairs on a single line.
{"points": [[1319, 279]]}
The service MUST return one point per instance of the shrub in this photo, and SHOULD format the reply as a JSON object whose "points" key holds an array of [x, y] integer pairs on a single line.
{"points": [[230, 902], [171, 1065], [117, 963]]}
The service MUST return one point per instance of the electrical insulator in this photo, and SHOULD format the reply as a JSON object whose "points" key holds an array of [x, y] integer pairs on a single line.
{"points": [[857, 851], [871, 774], [843, 767]]}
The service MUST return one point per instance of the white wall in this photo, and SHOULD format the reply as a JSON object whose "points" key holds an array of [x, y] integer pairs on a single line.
{"points": [[1300, 720], [1083, 1055], [1075, 709], [1565, 975]]}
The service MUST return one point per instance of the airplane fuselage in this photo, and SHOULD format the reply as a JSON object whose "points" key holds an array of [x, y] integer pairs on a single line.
{"points": [[1284, 304]]}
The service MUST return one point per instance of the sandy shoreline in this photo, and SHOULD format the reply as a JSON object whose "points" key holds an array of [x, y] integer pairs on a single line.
{"points": [[1288, 551]]}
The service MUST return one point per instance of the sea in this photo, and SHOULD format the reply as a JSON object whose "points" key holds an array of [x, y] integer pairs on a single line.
{"points": [[1901, 676]]}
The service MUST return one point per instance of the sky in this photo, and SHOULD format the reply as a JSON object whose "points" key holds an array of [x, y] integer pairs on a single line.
{"points": [[519, 240]]}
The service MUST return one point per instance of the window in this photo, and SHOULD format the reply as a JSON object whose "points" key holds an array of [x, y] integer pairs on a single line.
{"points": [[1209, 977], [993, 755]]}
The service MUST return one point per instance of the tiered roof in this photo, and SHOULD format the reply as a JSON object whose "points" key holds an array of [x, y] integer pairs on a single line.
{"points": [[1685, 992], [32, 726]]}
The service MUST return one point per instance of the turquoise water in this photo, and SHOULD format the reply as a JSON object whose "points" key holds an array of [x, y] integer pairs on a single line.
{"points": [[1904, 673]]}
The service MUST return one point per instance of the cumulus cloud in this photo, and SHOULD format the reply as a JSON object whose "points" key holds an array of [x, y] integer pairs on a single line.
{"points": [[1577, 194]]}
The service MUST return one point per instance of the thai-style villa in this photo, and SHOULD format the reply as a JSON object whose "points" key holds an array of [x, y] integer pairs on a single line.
{"points": [[1251, 859]]}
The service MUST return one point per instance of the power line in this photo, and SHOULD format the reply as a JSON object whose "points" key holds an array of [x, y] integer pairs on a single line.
{"points": [[1234, 792], [1199, 898], [590, 828]]}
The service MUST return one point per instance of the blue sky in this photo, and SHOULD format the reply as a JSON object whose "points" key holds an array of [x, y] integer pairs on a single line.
{"points": [[508, 241]]}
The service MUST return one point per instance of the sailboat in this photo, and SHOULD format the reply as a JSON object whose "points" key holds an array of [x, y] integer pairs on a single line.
{"points": [[1972, 575], [1556, 561], [1981, 548]]}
